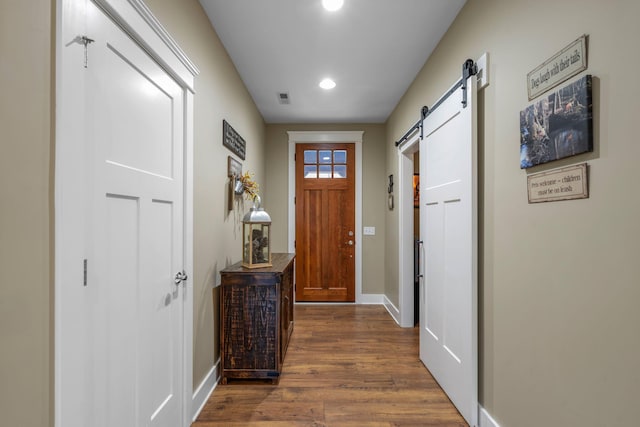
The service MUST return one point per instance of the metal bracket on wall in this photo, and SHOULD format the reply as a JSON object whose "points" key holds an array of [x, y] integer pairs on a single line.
{"points": [[482, 75], [424, 112], [468, 69]]}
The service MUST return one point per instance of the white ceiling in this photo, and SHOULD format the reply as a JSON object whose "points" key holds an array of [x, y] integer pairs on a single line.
{"points": [[373, 49]]}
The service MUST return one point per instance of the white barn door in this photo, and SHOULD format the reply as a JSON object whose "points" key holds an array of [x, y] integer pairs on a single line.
{"points": [[448, 229]]}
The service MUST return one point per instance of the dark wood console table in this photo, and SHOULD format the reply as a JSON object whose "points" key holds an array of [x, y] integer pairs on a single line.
{"points": [[256, 319]]}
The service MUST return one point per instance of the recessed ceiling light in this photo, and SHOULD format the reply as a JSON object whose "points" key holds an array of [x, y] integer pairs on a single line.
{"points": [[327, 84], [332, 5]]}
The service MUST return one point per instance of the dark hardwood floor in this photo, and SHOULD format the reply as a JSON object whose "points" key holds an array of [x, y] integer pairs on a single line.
{"points": [[347, 365]]}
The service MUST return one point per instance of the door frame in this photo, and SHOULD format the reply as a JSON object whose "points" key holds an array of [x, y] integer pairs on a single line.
{"points": [[330, 137], [405, 209], [406, 231], [135, 19]]}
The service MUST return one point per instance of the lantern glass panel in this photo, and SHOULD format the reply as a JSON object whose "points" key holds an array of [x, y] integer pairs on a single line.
{"points": [[257, 245], [246, 244]]}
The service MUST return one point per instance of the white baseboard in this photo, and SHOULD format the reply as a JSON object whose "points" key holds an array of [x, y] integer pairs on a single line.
{"points": [[392, 309], [204, 390], [369, 299], [485, 419]]}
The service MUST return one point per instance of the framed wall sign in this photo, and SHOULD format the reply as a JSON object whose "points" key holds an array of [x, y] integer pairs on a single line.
{"points": [[560, 67], [232, 140], [566, 183]]}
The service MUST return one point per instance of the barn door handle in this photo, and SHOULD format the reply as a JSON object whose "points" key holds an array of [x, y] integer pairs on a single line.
{"points": [[420, 258], [181, 276]]}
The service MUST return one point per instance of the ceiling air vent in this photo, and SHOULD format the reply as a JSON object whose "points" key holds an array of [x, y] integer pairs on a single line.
{"points": [[283, 98]]}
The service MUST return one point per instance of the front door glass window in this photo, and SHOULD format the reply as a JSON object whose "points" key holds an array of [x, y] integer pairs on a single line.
{"points": [[325, 164]]}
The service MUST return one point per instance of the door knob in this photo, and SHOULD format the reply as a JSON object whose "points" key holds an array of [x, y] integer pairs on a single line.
{"points": [[181, 276], [350, 242]]}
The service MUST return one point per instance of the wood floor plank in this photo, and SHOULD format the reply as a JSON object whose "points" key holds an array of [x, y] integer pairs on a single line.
{"points": [[346, 366]]}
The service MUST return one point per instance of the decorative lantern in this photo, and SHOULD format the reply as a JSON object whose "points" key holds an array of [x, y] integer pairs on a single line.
{"points": [[256, 239]]}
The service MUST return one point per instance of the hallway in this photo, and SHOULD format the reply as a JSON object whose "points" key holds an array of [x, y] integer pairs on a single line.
{"points": [[346, 365]]}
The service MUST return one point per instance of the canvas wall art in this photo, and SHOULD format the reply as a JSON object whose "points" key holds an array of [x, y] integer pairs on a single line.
{"points": [[559, 125]]}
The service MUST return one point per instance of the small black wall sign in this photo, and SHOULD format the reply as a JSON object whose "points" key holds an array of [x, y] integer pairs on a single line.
{"points": [[232, 140]]}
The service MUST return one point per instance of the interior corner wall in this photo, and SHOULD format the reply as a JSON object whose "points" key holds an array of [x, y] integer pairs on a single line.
{"points": [[558, 282], [373, 189], [26, 213], [219, 94]]}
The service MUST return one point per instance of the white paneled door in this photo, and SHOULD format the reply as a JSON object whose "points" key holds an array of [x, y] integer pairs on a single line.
{"points": [[129, 345], [135, 127], [448, 230]]}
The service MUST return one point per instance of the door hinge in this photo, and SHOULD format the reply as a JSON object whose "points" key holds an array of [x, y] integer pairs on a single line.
{"points": [[84, 40], [84, 275]]}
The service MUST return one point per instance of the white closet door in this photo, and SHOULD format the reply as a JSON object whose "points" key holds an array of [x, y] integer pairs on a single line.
{"points": [[122, 357]]}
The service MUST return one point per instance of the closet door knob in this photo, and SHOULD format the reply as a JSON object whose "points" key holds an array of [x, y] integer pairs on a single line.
{"points": [[181, 276]]}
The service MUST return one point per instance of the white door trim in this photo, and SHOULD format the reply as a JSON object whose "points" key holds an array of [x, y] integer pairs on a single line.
{"points": [[406, 230], [330, 137], [134, 17]]}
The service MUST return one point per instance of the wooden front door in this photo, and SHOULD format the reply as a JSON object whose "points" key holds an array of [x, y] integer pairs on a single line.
{"points": [[325, 222]]}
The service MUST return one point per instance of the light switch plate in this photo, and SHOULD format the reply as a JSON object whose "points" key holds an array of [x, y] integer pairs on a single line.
{"points": [[369, 231]]}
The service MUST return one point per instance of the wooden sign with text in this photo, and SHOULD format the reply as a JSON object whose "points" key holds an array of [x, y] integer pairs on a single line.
{"points": [[566, 183], [232, 140], [560, 67]]}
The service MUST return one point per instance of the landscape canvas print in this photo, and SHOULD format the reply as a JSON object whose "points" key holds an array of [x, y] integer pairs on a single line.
{"points": [[557, 126]]}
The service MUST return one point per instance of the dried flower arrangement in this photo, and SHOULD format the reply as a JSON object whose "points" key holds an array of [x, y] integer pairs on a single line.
{"points": [[249, 186]]}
